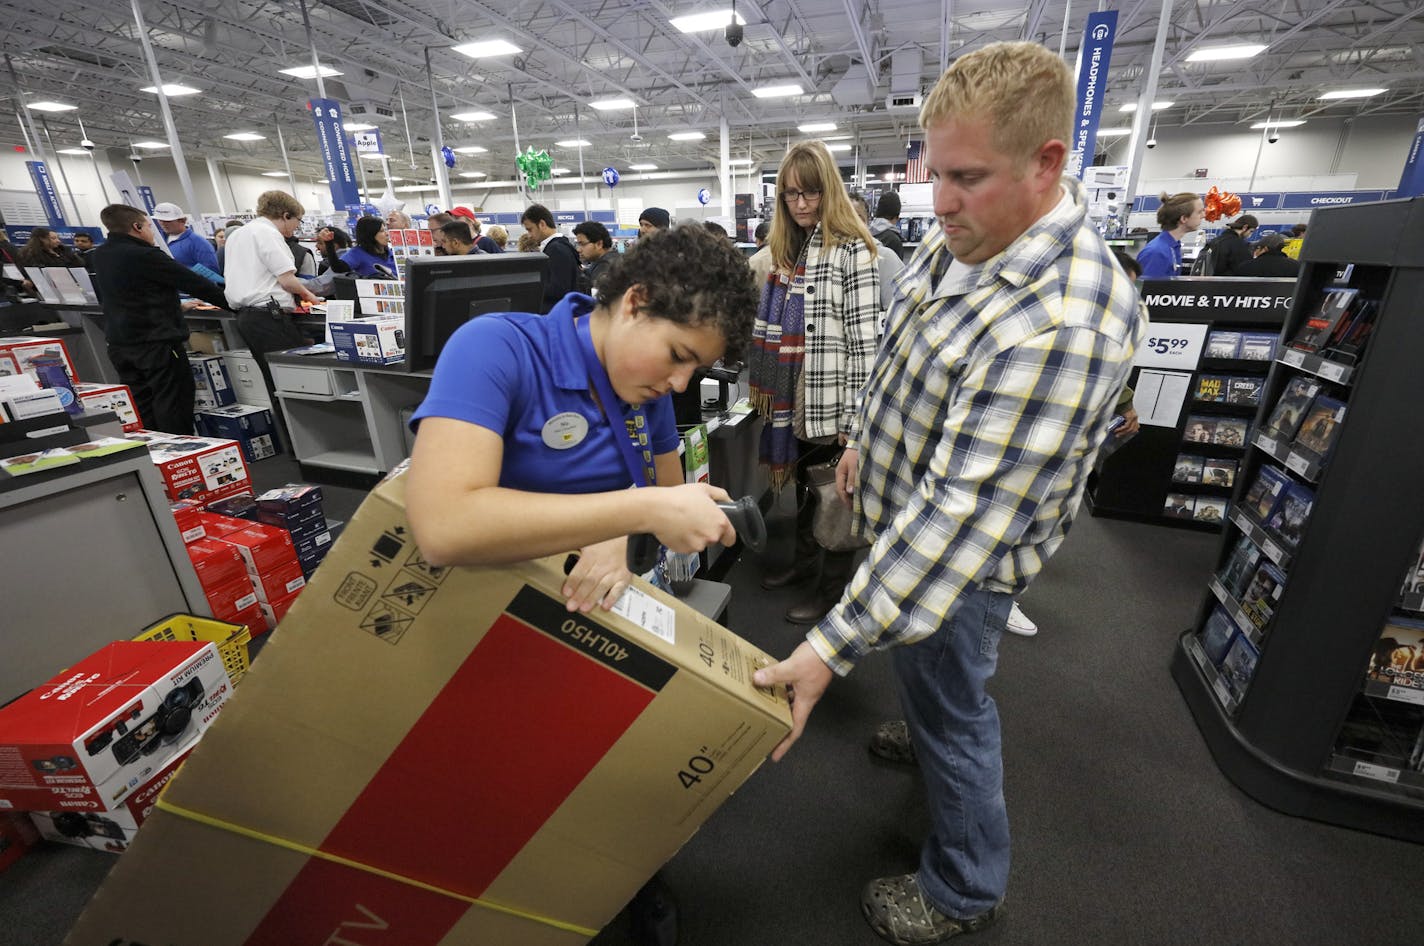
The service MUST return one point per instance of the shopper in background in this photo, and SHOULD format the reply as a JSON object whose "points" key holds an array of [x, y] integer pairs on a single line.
{"points": [[528, 243], [9, 256], [184, 243], [890, 264], [594, 246], [370, 254], [485, 244], [138, 286], [760, 261], [435, 222], [1270, 259], [262, 278], [1011, 335], [490, 484], [45, 248], [227, 231], [1228, 251], [1178, 215], [83, 243], [651, 220], [458, 239], [562, 275], [499, 235], [886, 225], [398, 220], [814, 338], [331, 242], [1294, 241]]}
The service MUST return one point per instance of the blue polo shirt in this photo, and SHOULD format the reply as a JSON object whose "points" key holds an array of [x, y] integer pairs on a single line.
{"points": [[189, 248], [1161, 257], [516, 373]]}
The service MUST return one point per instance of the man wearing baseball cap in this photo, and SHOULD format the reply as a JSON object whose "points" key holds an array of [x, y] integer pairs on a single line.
{"points": [[186, 246], [483, 243]]}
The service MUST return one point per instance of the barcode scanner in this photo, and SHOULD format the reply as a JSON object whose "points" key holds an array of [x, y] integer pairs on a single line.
{"points": [[744, 514]]}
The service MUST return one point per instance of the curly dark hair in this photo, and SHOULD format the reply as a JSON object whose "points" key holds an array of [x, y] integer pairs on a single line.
{"points": [[691, 277]]}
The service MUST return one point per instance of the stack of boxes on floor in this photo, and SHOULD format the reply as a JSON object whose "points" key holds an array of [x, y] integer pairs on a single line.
{"points": [[84, 756]]}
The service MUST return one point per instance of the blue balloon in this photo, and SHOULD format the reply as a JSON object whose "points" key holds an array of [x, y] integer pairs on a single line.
{"points": [[610, 177], [448, 155], [432, 209], [703, 195]]}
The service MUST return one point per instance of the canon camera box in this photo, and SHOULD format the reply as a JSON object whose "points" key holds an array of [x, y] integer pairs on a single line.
{"points": [[90, 736], [446, 755], [198, 468], [106, 830]]}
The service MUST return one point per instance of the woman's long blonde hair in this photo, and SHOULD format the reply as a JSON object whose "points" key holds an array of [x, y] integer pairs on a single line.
{"points": [[814, 169]]}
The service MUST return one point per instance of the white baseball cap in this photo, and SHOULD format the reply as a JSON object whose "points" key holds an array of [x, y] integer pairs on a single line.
{"points": [[167, 211]]}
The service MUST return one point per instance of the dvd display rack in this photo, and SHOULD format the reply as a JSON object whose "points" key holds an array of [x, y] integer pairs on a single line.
{"points": [[1298, 669], [1219, 337]]}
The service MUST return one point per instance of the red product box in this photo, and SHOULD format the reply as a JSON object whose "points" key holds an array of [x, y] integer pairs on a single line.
{"points": [[88, 738], [216, 563], [218, 525], [274, 611], [185, 514], [254, 617], [107, 830], [111, 397], [263, 548], [197, 468], [281, 582], [17, 835], [231, 598], [24, 354]]}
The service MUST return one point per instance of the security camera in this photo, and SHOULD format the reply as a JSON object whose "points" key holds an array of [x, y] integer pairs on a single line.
{"points": [[87, 145], [635, 137], [136, 158], [434, 180], [1151, 142], [734, 34], [1273, 137]]}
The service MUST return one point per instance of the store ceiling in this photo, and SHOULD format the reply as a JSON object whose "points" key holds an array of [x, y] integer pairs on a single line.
{"points": [[573, 51]]}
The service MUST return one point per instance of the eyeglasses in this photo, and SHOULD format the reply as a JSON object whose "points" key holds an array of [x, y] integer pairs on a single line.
{"points": [[792, 197], [581, 243]]}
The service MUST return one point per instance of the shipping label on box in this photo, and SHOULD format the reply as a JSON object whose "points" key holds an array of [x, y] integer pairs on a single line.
{"points": [[198, 468], [185, 515], [88, 738], [374, 341], [107, 830], [110, 397], [590, 748]]}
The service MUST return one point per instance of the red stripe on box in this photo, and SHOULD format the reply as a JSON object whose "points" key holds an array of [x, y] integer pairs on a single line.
{"points": [[513, 733], [338, 904]]}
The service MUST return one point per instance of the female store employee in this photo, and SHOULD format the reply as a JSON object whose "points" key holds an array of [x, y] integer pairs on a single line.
{"points": [[535, 426]]}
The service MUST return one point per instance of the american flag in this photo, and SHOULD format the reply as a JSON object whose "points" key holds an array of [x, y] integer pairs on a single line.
{"points": [[915, 172]]}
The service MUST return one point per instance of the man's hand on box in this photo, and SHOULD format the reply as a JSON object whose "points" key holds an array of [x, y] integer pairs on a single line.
{"points": [[600, 577], [806, 677]]}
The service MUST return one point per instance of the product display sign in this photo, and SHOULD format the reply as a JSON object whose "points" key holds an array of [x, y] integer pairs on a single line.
{"points": [[49, 197], [1171, 345], [335, 153], [146, 194], [128, 190], [1309, 200], [369, 142], [1411, 182], [1201, 298], [1094, 57]]}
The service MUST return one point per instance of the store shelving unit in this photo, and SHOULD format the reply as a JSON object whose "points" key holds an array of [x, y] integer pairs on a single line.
{"points": [[1286, 732]]}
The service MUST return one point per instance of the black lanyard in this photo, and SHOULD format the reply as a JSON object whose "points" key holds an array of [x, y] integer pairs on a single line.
{"points": [[636, 445]]}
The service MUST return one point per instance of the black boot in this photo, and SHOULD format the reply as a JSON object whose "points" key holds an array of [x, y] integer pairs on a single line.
{"points": [[652, 913], [835, 572], [805, 564]]}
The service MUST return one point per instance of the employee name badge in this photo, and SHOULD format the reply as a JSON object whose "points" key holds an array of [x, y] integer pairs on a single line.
{"points": [[565, 430]]}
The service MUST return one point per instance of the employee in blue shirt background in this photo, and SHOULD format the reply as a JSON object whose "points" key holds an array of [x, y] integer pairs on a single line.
{"points": [[187, 246], [1178, 215]]}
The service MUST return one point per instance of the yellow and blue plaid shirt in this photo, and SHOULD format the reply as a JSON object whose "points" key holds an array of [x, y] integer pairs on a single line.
{"points": [[978, 426]]}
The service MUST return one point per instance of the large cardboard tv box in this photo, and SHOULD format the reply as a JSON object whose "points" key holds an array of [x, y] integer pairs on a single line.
{"points": [[442, 756]]}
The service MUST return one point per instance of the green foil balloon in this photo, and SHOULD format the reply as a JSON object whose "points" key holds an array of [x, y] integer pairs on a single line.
{"points": [[536, 166]]}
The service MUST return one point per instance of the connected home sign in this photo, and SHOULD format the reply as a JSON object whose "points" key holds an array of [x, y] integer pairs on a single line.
{"points": [[1093, 58]]}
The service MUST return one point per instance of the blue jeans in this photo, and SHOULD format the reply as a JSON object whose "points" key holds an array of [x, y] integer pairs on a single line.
{"points": [[954, 725]]}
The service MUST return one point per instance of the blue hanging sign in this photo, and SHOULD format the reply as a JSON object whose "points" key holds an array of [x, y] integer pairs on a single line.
{"points": [[1411, 182], [1310, 200], [1094, 56], [335, 152], [49, 197], [146, 192], [610, 177]]}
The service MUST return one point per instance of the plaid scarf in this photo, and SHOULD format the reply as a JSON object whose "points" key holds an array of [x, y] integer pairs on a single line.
{"points": [[778, 350]]}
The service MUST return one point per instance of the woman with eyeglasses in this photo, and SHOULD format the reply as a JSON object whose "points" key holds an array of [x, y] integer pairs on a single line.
{"points": [[812, 345]]}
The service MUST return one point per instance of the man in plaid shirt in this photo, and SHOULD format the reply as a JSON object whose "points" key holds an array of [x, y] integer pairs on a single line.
{"points": [[1011, 334]]}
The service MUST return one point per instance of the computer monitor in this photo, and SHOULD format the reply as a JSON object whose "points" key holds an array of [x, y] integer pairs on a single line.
{"points": [[442, 293]]}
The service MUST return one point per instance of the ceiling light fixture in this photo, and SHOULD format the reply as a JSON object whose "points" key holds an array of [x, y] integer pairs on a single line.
{"points": [[1219, 53], [473, 174], [72, 151], [471, 149], [309, 72], [740, 162], [245, 136], [472, 116], [358, 126], [150, 145], [1278, 123], [560, 171], [813, 127], [572, 143], [489, 47], [642, 167], [172, 89], [1353, 93], [777, 91], [839, 147], [686, 136], [705, 22], [604, 105], [274, 173], [50, 106], [1156, 106], [1113, 132]]}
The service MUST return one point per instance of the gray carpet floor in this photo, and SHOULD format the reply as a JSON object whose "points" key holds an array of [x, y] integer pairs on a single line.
{"points": [[1124, 829]]}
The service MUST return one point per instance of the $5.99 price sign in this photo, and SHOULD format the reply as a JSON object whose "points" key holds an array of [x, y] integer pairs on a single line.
{"points": [[1171, 345]]}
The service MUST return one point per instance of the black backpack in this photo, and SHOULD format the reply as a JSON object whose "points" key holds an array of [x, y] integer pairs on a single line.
{"points": [[1205, 263]]}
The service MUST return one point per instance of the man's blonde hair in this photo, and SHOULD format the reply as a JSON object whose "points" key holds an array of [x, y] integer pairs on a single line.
{"points": [[275, 204], [815, 170], [1023, 90]]}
